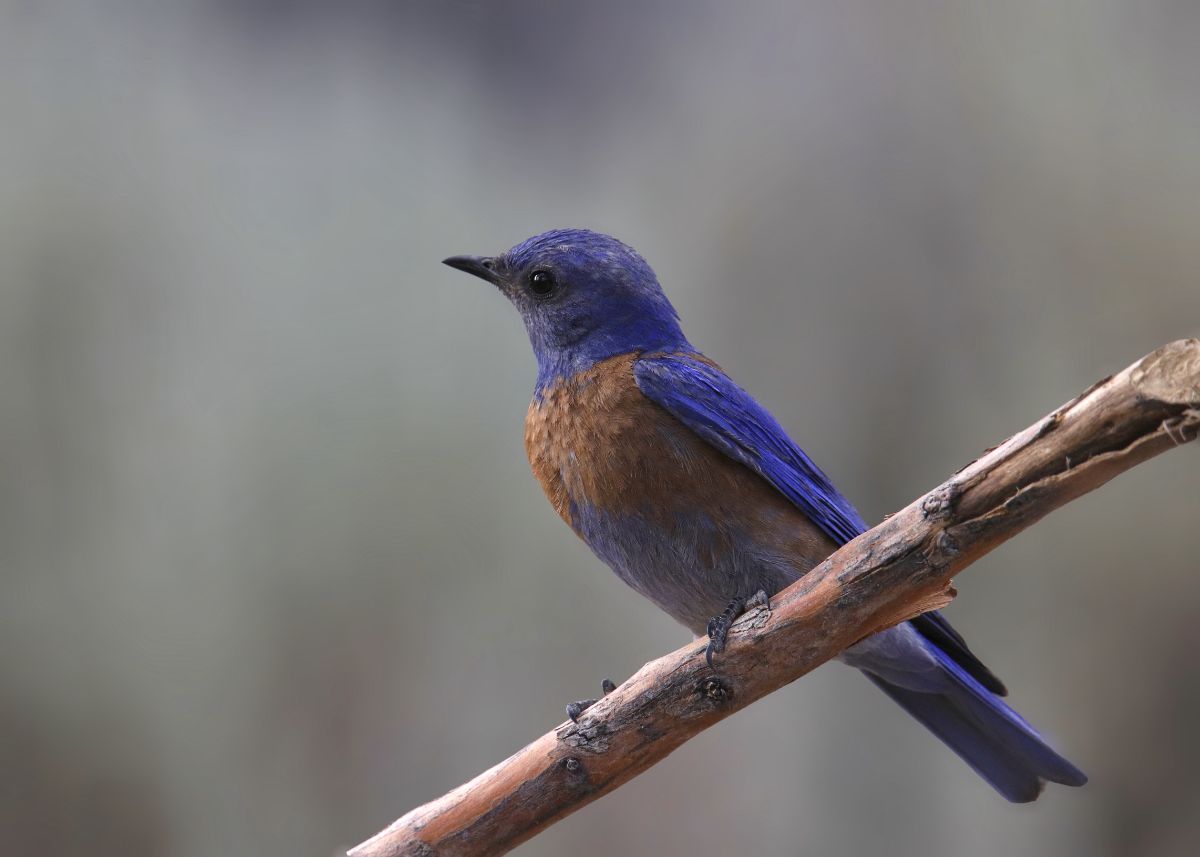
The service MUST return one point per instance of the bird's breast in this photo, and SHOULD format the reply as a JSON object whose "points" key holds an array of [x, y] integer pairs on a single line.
{"points": [[592, 439], [673, 517]]}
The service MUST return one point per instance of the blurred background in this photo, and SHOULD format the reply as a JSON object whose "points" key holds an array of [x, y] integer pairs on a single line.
{"points": [[273, 566]]}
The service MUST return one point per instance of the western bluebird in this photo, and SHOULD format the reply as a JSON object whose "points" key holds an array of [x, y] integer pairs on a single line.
{"points": [[696, 497]]}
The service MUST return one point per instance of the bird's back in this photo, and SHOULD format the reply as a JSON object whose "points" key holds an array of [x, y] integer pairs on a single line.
{"points": [[678, 521]]}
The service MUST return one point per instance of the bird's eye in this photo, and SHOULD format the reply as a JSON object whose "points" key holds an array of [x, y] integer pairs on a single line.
{"points": [[542, 283]]}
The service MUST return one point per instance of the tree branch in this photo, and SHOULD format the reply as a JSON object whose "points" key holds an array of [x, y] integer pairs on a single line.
{"points": [[893, 572]]}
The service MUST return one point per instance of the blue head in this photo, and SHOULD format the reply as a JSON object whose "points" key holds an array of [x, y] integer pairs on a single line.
{"points": [[584, 297]]}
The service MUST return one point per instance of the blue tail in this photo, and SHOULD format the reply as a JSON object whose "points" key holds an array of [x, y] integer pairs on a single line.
{"points": [[989, 736]]}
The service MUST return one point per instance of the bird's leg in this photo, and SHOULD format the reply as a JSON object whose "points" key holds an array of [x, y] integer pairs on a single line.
{"points": [[577, 708], [718, 626]]}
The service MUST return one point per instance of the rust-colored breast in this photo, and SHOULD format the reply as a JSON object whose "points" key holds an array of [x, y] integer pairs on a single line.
{"points": [[586, 437]]}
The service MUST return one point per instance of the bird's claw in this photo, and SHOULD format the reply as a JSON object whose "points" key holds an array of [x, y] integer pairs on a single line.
{"points": [[718, 626], [575, 709], [758, 599]]}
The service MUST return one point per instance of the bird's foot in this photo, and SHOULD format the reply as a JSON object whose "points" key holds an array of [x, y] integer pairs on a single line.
{"points": [[718, 626], [577, 708]]}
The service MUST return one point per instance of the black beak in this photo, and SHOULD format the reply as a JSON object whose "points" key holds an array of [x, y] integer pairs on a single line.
{"points": [[483, 267]]}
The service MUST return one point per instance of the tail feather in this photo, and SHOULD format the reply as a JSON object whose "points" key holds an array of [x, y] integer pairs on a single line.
{"points": [[989, 736]]}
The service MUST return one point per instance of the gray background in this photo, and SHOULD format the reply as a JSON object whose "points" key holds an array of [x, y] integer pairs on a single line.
{"points": [[273, 566]]}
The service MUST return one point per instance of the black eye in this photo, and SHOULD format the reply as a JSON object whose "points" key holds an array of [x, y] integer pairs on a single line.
{"points": [[542, 283]]}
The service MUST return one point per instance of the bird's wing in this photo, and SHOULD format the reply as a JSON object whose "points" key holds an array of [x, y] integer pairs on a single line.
{"points": [[703, 398]]}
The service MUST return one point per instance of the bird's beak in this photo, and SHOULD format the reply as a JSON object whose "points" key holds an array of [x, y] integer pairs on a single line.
{"points": [[483, 267]]}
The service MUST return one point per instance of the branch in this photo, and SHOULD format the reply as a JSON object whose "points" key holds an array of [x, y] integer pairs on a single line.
{"points": [[891, 573]]}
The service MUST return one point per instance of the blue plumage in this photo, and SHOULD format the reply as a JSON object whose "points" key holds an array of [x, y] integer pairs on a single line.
{"points": [[693, 493], [704, 399], [614, 304]]}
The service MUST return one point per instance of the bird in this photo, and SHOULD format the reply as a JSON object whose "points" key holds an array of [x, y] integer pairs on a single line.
{"points": [[697, 498]]}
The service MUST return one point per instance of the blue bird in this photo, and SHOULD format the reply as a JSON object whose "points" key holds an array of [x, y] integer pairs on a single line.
{"points": [[697, 498]]}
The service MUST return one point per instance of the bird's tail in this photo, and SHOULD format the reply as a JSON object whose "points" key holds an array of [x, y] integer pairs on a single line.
{"points": [[989, 736]]}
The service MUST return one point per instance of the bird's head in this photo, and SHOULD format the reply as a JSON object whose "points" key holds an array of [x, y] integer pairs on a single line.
{"points": [[583, 296]]}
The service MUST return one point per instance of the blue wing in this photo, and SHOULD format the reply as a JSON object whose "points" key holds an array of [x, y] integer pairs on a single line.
{"points": [[703, 398]]}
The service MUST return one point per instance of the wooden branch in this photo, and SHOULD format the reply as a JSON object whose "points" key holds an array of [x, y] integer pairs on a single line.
{"points": [[897, 570]]}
